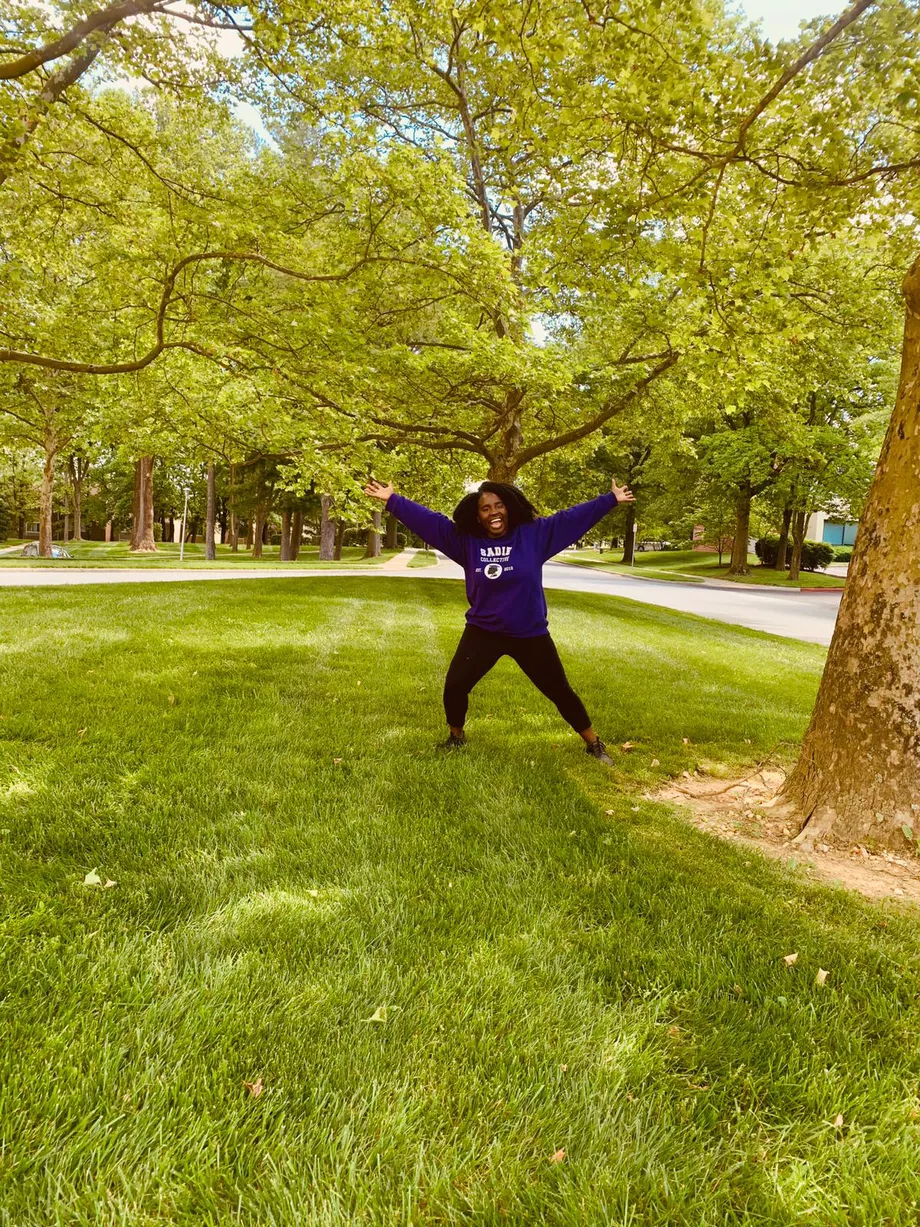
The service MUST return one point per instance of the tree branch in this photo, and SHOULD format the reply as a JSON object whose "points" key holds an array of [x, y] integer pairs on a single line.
{"points": [[138, 364], [101, 19], [609, 410]]}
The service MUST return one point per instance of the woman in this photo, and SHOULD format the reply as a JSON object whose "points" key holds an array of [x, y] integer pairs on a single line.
{"points": [[501, 543]]}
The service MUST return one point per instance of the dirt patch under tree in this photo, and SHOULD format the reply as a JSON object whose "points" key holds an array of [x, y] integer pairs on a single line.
{"points": [[742, 811]]}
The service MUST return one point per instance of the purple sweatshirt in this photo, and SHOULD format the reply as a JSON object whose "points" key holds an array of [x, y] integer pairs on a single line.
{"points": [[504, 575]]}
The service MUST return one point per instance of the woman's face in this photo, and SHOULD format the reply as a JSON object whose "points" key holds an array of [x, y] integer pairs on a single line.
{"points": [[493, 515]]}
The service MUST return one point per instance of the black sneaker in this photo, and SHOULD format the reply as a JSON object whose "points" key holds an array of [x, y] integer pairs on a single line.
{"points": [[453, 743], [598, 750]]}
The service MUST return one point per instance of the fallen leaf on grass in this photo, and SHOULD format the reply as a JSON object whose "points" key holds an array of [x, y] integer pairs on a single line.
{"points": [[821, 976], [634, 808], [109, 883], [16, 769], [171, 699], [314, 894], [628, 745], [685, 740], [379, 1015], [92, 879], [336, 761], [563, 1068], [608, 812], [789, 959], [838, 1121], [558, 1156], [80, 732], [254, 1088], [656, 762]]}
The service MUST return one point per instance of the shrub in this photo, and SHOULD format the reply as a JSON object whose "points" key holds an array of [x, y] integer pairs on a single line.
{"points": [[843, 553], [816, 555], [766, 550]]}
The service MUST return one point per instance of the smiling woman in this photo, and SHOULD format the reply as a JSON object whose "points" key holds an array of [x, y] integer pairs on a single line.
{"points": [[502, 544]]}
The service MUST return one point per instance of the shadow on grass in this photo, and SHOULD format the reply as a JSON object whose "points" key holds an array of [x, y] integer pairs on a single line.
{"points": [[256, 771]]}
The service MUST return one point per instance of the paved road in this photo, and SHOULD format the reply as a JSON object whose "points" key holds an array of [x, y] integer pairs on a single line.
{"points": [[797, 615]]}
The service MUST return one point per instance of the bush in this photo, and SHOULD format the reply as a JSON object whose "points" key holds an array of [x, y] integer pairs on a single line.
{"points": [[816, 555], [843, 553], [766, 550]]}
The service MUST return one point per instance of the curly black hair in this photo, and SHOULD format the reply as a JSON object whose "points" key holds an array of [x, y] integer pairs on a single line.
{"points": [[520, 510]]}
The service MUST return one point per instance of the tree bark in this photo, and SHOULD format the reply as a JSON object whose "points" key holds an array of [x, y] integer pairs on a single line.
{"points": [[296, 534], [234, 528], [799, 522], [258, 531], [739, 559], [142, 528], [210, 550], [858, 777], [392, 529], [77, 468], [339, 540], [372, 549], [783, 546], [45, 501], [284, 554], [327, 531], [629, 541]]}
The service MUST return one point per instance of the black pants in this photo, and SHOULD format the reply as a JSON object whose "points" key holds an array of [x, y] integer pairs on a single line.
{"points": [[479, 650]]}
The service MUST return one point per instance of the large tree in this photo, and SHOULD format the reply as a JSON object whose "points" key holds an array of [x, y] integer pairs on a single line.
{"points": [[858, 777]]}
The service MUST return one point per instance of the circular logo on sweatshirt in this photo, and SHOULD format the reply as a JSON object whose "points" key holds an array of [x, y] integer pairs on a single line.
{"points": [[493, 570]]}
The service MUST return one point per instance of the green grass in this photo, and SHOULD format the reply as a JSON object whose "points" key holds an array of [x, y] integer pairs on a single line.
{"points": [[118, 554], [424, 558], [693, 566], [564, 964]]}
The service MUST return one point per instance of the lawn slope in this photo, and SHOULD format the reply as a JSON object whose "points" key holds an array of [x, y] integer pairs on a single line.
{"points": [[442, 972]]}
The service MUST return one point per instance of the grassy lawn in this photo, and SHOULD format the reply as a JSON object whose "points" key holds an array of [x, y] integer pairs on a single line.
{"points": [[424, 558], [556, 963], [684, 565], [118, 554]]}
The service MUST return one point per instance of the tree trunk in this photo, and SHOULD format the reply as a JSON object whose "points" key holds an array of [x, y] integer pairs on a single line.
{"points": [[234, 528], [327, 531], [392, 529], [739, 559], [284, 555], [210, 550], [21, 526], [142, 530], [339, 540], [45, 501], [629, 541], [296, 534], [258, 531], [77, 469], [783, 546], [799, 522], [858, 777], [373, 537]]}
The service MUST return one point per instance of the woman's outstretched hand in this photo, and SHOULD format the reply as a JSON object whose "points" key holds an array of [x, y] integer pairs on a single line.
{"points": [[622, 494], [376, 489]]}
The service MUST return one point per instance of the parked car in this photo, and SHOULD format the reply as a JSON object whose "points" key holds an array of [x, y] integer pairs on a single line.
{"points": [[31, 551], [654, 545]]}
